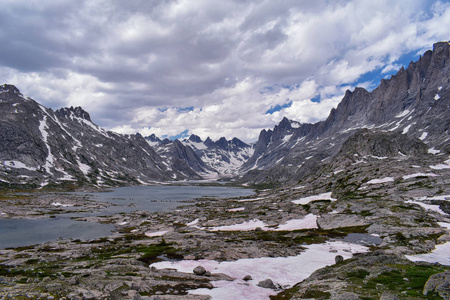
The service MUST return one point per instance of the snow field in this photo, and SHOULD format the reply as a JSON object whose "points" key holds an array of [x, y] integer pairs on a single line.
{"points": [[61, 205], [418, 175], [307, 222], [431, 207], [382, 180], [306, 200], [17, 164], [157, 233], [284, 271], [236, 209], [441, 254]]}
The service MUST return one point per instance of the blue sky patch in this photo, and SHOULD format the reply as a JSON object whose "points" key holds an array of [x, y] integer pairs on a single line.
{"points": [[278, 107], [185, 109], [181, 135]]}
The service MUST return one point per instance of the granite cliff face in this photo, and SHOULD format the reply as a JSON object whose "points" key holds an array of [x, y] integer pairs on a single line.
{"points": [[39, 146], [414, 102]]}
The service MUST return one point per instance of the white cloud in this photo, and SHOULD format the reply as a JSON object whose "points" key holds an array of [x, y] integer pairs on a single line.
{"points": [[133, 65]]}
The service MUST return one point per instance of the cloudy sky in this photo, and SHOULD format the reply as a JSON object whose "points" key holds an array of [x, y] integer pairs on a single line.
{"points": [[213, 68]]}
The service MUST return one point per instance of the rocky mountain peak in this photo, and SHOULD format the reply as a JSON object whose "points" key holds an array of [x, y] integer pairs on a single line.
{"points": [[153, 139], [10, 93], [74, 112], [441, 46], [195, 138], [285, 124], [238, 143], [209, 142], [222, 143], [5, 88]]}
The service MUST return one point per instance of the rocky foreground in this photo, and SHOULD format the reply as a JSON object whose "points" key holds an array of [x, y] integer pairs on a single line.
{"points": [[389, 207]]}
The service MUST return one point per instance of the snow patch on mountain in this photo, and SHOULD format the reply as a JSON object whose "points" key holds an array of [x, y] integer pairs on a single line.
{"points": [[17, 165], [403, 113], [50, 158], [382, 180], [423, 136]]}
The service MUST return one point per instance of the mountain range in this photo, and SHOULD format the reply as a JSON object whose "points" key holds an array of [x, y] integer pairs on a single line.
{"points": [[42, 147]]}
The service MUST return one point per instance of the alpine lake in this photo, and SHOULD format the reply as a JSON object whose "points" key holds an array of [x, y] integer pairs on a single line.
{"points": [[68, 219]]}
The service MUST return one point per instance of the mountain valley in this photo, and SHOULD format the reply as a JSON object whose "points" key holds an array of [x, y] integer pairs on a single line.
{"points": [[367, 190]]}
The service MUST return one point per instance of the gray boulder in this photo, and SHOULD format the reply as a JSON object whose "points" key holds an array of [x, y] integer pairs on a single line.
{"points": [[267, 284], [199, 270], [338, 259], [247, 278]]}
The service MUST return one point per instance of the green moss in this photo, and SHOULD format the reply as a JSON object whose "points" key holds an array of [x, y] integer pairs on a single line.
{"points": [[22, 280], [405, 278], [316, 294], [359, 274], [310, 293], [32, 261], [151, 253]]}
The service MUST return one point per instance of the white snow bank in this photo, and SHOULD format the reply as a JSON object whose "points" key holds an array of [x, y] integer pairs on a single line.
{"points": [[439, 255], [306, 200], [423, 136], [252, 199], [287, 138], [17, 164], [444, 224], [192, 223], [431, 207], [434, 151], [438, 197], [84, 168], [402, 114], [440, 167], [284, 271], [157, 233], [246, 226], [237, 209], [406, 129], [382, 180], [418, 175], [60, 204], [307, 222]]}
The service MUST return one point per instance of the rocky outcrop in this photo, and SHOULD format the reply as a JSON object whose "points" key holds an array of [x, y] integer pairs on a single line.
{"points": [[382, 144], [438, 283]]}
